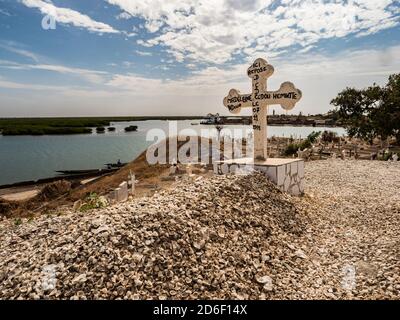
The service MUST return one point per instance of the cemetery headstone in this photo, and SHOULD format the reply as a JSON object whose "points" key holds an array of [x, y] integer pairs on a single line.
{"points": [[259, 100], [287, 174]]}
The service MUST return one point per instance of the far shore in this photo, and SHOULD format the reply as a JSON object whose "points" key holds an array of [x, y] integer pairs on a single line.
{"points": [[72, 125], [85, 125]]}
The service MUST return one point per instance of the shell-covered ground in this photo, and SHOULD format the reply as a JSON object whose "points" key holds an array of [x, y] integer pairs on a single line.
{"points": [[223, 237]]}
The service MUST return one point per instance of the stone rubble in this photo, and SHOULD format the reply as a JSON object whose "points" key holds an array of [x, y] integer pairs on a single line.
{"points": [[224, 237], [205, 239]]}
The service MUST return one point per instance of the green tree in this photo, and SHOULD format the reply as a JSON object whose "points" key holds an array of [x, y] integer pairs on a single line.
{"points": [[371, 112]]}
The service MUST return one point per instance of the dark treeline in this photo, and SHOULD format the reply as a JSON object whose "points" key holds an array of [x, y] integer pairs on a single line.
{"points": [[45, 126]]}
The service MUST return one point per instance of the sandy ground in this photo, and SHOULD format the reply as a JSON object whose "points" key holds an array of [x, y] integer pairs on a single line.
{"points": [[20, 196], [29, 192]]}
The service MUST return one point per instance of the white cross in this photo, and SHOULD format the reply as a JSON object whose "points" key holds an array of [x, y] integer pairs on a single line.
{"points": [[259, 100]]}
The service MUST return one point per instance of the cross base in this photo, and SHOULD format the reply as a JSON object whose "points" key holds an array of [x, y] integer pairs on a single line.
{"points": [[286, 174]]}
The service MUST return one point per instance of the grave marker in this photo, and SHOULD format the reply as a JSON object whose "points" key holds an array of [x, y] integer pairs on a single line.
{"points": [[287, 174], [259, 100]]}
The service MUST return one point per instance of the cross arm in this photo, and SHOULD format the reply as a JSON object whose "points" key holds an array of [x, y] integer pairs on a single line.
{"points": [[287, 96], [234, 101]]}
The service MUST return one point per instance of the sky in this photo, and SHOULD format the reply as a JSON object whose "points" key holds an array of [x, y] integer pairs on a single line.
{"points": [[181, 57]]}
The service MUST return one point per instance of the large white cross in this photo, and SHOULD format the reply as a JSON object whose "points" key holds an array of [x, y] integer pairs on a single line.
{"points": [[259, 100]]}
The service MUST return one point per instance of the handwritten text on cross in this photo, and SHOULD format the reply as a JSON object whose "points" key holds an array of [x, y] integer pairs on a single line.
{"points": [[287, 96]]}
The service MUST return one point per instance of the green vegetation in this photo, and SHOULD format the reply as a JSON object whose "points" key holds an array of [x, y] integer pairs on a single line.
{"points": [[41, 126], [111, 129], [39, 130], [293, 147], [93, 201], [329, 136], [373, 112], [388, 155], [313, 136], [100, 129]]}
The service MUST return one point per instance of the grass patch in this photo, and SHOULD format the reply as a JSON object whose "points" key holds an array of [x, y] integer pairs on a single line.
{"points": [[93, 201], [293, 147]]}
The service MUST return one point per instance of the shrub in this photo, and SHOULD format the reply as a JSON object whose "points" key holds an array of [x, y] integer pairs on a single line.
{"points": [[329, 136], [93, 201], [291, 149], [312, 137]]}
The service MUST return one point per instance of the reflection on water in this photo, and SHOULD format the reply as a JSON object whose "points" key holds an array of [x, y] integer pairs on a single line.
{"points": [[33, 157]]}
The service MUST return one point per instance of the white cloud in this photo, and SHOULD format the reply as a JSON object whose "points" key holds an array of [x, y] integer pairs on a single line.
{"points": [[141, 42], [5, 12], [127, 64], [27, 86], [68, 16], [132, 34], [92, 76], [213, 31], [11, 46], [124, 15], [143, 53], [320, 77]]}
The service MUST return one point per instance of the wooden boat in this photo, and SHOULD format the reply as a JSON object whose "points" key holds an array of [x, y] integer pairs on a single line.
{"points": [[115, 165], [89, 171], [131, 128]]}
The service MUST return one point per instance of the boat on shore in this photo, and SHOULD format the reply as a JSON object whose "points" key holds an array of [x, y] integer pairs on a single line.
{"points": [[118, 164], [109, 167], [63, 176], [89, 171], [131, 129]]}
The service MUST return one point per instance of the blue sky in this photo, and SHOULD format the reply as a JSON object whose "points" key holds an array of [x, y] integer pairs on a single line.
{"points": [[160, 57]]}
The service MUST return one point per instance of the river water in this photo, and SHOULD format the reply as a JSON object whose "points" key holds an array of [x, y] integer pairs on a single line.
{"points": [[24, 158]]}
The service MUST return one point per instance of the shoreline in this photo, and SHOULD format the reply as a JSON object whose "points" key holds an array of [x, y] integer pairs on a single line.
{"points": [[276, 145], [86, 125]]}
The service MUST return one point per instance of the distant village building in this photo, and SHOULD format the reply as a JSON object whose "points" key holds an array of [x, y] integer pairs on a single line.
{"points": [[319, 122], [329, 122]]}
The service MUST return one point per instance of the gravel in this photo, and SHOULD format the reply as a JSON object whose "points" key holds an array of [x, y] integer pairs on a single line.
{"points": [[224, 237], [354, 237]]}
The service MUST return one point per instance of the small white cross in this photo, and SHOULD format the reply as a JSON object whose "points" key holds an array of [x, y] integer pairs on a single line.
{"points": [[259, 100]]}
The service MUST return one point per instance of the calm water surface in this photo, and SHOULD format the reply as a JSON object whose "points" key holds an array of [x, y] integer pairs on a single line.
{"points": [[25, 158]]}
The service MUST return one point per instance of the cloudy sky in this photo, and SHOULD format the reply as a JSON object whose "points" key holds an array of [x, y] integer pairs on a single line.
{"points": [[181, 57]]}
